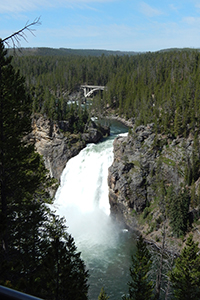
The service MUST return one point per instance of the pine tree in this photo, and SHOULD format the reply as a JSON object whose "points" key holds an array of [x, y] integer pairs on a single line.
{"points": [[177, 121], [140, 286], [178, 207], [37, 256], [63, 274], [186, 274], [23, 179], [103, 295], [195, 158]]}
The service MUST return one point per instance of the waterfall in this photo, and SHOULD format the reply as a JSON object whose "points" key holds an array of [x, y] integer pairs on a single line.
{"points": [[83, 194], [82, 199]]}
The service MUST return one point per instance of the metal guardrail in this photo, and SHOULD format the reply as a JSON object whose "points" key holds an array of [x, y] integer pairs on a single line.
{"points": [[9, 294]]}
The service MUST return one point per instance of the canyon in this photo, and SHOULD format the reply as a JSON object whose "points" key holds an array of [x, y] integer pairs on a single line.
{"points": [[142, 159]]}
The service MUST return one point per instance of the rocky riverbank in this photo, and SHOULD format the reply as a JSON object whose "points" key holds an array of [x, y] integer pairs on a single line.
{"points": [[142, 160], [110, 115]]}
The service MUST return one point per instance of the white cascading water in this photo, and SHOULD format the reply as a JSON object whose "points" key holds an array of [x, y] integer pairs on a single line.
{"points": [[82, 199]]}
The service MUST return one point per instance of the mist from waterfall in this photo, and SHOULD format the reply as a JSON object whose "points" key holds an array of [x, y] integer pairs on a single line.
{"points": [[82, 199]]}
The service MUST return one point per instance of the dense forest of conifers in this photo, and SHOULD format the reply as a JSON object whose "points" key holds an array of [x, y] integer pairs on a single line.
{"points": [[161, 87], [37, 255]]}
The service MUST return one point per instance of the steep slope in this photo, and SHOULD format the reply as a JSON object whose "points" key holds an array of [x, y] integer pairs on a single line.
{"points": [[145, 166]]}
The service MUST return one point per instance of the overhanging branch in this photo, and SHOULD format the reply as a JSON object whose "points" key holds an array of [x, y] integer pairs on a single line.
{"points": [[17, 36]]}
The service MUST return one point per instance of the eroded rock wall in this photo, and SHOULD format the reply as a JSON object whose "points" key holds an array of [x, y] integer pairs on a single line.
{"points": [[56, 147], [140, 160]]}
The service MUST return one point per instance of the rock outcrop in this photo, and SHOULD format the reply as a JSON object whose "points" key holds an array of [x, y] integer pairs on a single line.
{"points": [[140, 160], [56, 146]]}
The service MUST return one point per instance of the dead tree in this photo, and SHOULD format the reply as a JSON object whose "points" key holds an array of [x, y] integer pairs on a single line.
{"points": [[160, 268], [163, 264], [19, 35]]}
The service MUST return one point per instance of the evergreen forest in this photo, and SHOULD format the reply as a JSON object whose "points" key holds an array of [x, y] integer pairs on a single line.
{"points": [[37, 255], [161, 87]]}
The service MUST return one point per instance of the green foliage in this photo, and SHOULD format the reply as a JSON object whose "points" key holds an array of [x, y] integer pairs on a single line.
{"points": [[160, 87], [178, 207], [140, 286], [186, 274], [43, 51], [63, 271], [192, 169], [196, 158], [178, 121], [23, 176], [37, 256], [146, 212], [103, 295], [77, 118]]}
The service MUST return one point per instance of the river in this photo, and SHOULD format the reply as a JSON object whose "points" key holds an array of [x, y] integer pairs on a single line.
{"points": [[82, 199]]}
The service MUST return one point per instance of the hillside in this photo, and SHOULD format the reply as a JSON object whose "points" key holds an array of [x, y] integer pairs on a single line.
{"points": [[44, 51]]}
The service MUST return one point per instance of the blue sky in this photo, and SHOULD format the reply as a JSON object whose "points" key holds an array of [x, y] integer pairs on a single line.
{"points": [[125, 25]]}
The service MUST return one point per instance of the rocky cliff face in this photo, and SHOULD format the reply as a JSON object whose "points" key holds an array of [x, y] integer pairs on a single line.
{"points": [[56, 147], [141, 160]]}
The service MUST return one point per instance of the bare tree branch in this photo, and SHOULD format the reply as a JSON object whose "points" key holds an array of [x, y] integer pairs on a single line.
{"points": [[17, 36]]}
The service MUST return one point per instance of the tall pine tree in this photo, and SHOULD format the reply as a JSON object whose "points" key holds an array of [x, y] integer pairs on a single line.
{"points": [[37, 256], [23, 178], [186, 275], [140, 286], [63, 275]]}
